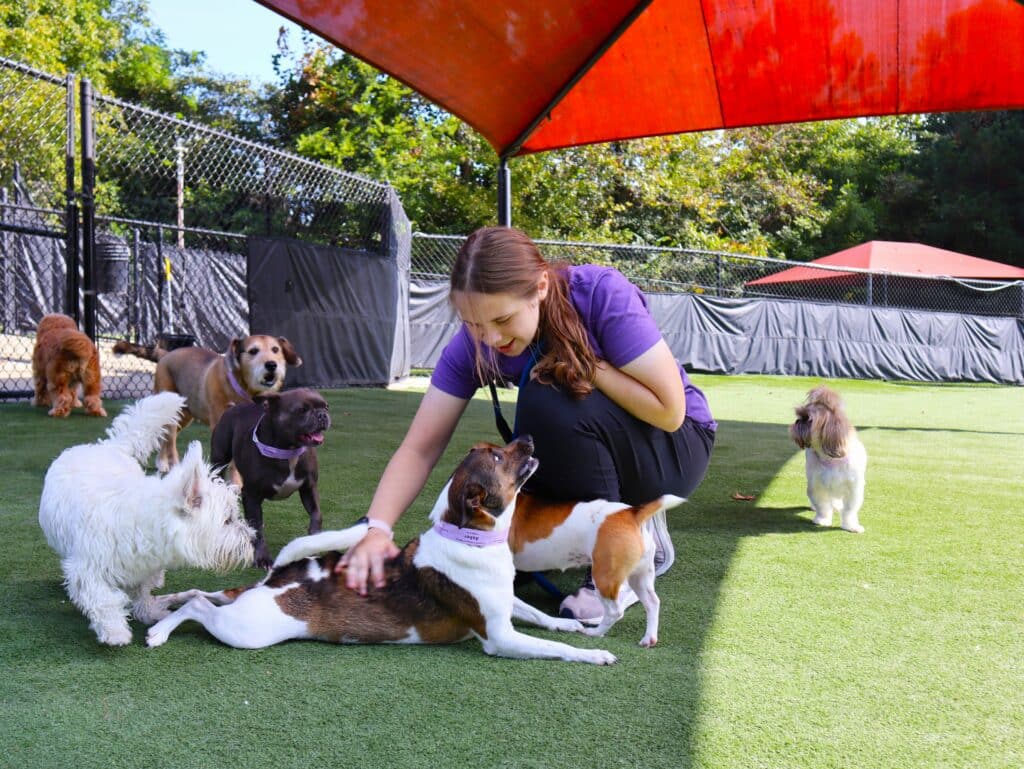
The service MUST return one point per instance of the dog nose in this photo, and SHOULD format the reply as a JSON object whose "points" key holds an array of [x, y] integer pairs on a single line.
{"points": [[526, 441], [270, 365]]}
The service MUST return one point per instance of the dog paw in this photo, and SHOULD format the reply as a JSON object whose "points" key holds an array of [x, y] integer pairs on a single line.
{"points": [[856, 528], [156, 637], [567, 625], [819, 521], [595, 632], [115, 636], [599, 657], [648, 641]]}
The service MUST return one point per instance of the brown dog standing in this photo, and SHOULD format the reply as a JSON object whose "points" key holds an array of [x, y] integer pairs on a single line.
{"points": [[64, 357], [212, 382], [272, 443]]}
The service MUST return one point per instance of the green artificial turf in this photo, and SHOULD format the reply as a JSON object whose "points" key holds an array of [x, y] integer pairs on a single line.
{"points": [[781, 644]]}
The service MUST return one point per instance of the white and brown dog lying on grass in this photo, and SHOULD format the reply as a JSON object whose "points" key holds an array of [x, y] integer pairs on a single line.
{"points": [[836, 460], [451, 583], [117, 529]]}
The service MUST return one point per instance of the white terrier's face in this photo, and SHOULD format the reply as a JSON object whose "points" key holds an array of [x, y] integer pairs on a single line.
{"points": [[212, 533]]}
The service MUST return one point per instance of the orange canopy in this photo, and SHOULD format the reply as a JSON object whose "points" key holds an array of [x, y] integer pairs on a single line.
{"points": [[906, 258], [535, 75]]}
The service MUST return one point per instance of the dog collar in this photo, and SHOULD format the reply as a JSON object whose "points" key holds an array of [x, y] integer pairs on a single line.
{"points": [[233, 381], [473, 537], [274, 453]]}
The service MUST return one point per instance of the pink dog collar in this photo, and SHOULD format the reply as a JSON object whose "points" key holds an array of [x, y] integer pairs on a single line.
{"points": [[473, 537]]}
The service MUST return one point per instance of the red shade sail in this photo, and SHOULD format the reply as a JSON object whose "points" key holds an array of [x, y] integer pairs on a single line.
{"points": [[905, 258], [535, 75]]}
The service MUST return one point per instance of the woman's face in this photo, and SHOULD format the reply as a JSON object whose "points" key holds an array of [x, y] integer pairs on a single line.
{"points": [[504, 322]]}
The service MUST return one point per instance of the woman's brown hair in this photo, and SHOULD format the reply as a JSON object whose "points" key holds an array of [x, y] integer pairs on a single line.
{"points": [[503, 260]]}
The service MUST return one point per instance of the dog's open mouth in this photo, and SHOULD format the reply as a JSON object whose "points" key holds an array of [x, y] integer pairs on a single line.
{"points": [[528, 469], [311, 439]]}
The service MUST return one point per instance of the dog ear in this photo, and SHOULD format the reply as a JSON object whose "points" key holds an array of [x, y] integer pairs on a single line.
{"points": [[832, 427], [290, 356], [235, 349], [267, 400], [194, 476], [473, 496]]}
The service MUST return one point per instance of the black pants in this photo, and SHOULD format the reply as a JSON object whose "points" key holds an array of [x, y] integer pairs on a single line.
{"points": [[594, 449]]}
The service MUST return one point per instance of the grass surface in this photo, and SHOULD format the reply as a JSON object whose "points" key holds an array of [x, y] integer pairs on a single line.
{"points": [[781, 644]]}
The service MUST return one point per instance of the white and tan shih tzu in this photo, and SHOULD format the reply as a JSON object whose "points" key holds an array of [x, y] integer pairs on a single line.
{"points": [[836, 458]]}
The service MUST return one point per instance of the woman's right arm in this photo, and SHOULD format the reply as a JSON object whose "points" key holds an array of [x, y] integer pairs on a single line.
{"points": [[403, 479]]}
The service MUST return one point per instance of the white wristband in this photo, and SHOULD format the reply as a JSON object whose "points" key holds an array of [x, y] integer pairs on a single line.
{"points": [[376, 523]]}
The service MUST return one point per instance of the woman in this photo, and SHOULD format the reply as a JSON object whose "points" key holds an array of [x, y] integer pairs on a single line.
{"points": [[612, 415]]}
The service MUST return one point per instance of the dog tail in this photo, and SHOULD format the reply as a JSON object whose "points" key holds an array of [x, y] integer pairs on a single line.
{"points": [[314, 544], [139, 429], [153, 352], [652, 508]]}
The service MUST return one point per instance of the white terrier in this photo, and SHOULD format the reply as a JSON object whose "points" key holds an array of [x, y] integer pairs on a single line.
{"points": [[116, 529], [836, 459]]}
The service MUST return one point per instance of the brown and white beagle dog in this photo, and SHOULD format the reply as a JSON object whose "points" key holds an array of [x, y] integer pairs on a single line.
{"points": [[451, 583]]}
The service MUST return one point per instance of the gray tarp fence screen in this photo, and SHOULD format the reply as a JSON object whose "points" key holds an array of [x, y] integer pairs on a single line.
{"points": [[205, 298], [343, 310], [765, 336]]}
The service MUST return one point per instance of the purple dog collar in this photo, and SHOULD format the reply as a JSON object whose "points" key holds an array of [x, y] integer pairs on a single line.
{"points": [[234, 382], [274, 453], [473, 537]]}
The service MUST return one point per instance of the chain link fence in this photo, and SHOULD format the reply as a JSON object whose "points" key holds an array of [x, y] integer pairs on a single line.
{"points": [[713, 273], [154, 213], [35, 208]]}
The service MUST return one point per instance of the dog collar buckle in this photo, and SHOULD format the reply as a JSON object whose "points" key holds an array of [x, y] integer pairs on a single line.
{"points": [[271, 452], [473, 537]]}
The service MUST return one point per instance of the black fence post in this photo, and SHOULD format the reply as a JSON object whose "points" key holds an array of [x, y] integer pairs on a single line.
{"points": [[72, 255], [88, 212], [161, 282], [504, 193]]}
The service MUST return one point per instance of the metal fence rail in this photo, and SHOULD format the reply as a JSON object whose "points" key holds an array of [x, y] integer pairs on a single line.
{"points": [[713, 273]]}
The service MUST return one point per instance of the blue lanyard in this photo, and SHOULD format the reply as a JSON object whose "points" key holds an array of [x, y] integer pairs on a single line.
{"points": [[535, 352]]}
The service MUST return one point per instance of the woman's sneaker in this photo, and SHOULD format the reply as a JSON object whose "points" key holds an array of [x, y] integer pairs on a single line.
{"points": [[664, 551], [585, 604]]}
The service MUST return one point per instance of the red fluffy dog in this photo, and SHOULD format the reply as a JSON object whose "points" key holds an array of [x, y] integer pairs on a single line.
{"points": [[63, 358]]}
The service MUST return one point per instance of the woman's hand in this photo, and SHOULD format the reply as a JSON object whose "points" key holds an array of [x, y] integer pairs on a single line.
{"points": [[365, 561]]}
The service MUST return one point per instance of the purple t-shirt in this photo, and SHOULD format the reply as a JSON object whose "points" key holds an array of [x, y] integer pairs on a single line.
{"points": [[620, 327]]}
